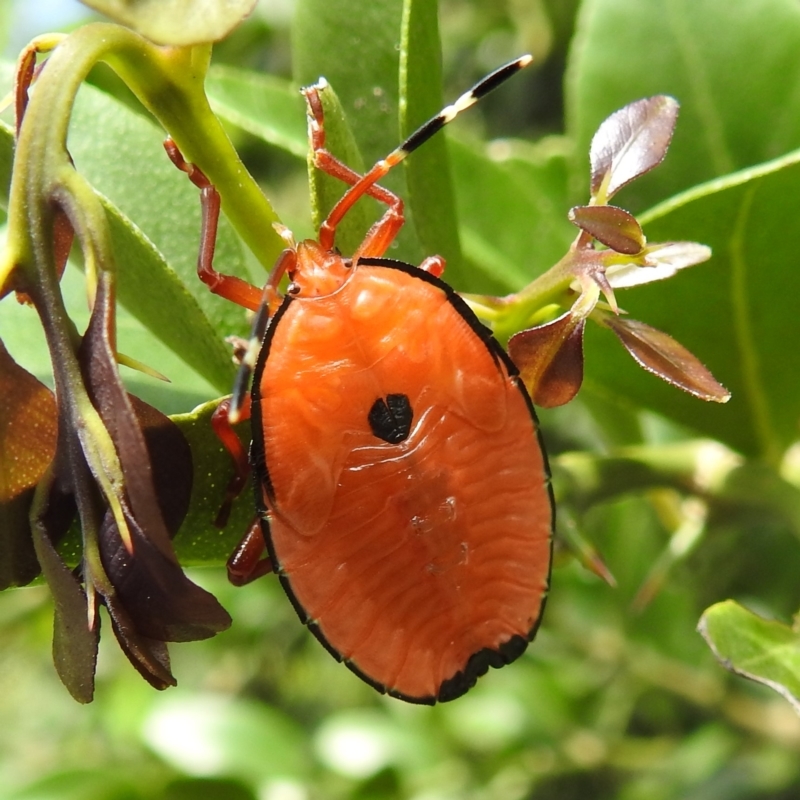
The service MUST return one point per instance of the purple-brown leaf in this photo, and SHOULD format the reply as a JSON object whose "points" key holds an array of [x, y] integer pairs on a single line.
{"points": [[74, 640], [630, 143], [659, 353], [98, 363], [550, 359], [27, 446], [150, 599], [612, 226], [28, 425], [150, 657]]}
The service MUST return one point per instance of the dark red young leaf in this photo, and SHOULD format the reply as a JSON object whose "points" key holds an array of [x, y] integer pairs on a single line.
{"points": [[18, 563], [659, 353], [158, 599], [28, 427], [148, 656], [612, 226], [63, 236], [97, 357], [170, 461], [550, 359], [631, 142], [74, 641]]}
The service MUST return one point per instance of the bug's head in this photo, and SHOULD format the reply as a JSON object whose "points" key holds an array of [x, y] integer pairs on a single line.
{"points": [[318, 272]]}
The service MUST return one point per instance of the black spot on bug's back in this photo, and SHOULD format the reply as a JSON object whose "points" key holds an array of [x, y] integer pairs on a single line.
{"points": [[390, 418]]}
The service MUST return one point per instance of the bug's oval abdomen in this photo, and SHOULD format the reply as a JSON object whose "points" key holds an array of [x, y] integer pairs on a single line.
{"points": [[409, 506]]}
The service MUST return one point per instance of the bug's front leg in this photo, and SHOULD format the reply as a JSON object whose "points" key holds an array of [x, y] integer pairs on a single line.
{"points": [[228, 286], [384, 231]]}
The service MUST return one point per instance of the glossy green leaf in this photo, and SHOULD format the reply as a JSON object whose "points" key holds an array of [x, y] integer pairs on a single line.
{"points": [[355, 45], [22, 332], [326, 190], [725, 311], [512, 213], [199, 542], [177, 22], [127, 164], [6, 161], [737, 108], [266, 106], [431, 198], [765, 651], [157, 255]]}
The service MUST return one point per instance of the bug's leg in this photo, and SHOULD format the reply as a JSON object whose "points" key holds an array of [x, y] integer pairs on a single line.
{"points": [[223, 428], [248, 561], [324, 160], [434, 265], [270, 300], [228, 286], [383, 232], [237, 407]]}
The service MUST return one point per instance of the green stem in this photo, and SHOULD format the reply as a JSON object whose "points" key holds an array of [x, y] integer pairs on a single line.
{"points": [[169, 82], [519, 311]]}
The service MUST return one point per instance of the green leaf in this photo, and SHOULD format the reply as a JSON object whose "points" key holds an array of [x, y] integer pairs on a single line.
{"points": [[6, 161], [512, 212], [355, 45], [725, 311], [431, 198], [327, 190], [177, 22], [765, 651], [268, 107], [106, 139], [156, 256], [701, 54], [199, 542]]}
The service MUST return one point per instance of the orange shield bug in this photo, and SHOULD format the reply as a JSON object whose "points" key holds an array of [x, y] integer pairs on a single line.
{"points": [[404, 493]]}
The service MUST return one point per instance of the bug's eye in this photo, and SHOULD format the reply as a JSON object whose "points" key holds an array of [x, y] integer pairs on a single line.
{"points": [[293, 288], [390, 418]]}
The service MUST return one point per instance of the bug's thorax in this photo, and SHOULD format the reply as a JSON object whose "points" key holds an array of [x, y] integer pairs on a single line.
{"points": [[318, 272]]}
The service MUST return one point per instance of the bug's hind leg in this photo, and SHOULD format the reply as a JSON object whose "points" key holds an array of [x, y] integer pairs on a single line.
{"points": [[223, 429], [248, 561]]}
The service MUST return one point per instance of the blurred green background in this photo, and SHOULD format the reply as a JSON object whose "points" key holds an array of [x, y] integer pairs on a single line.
{"points": [[615, 699]]}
